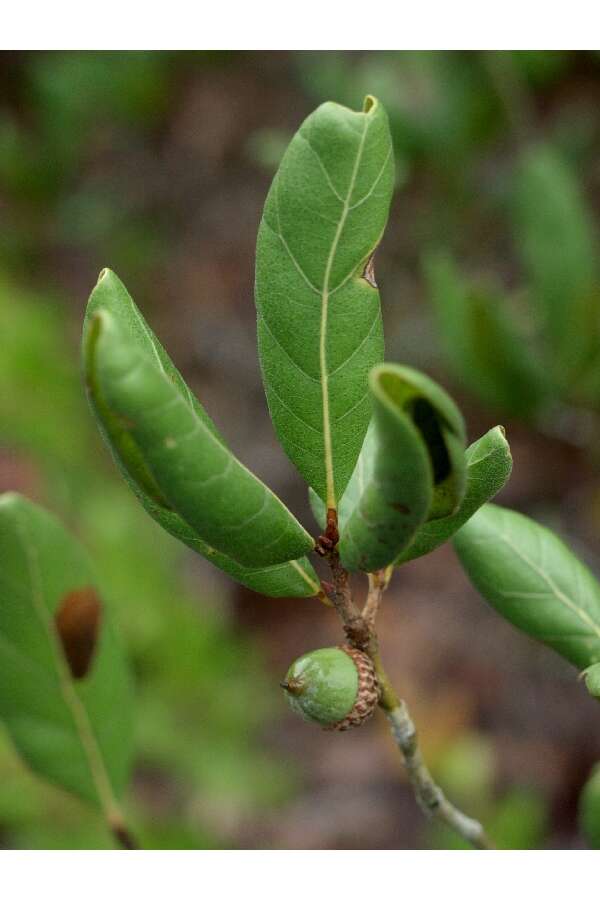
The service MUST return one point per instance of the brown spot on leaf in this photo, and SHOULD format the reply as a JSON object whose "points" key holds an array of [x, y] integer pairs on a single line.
{"points": [[77, 621], [369, 272], [400, 507]]}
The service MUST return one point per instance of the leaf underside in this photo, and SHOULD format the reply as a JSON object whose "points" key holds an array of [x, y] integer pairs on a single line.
{"points": [[110, 299], [76, 733], [532, 579], [319, 317]]}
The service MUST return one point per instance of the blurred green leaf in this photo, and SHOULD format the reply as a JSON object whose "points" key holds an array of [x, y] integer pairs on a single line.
{"points": [[440, 105], [467, 769], [540, 67], [481, 342], [266, 147], [556, 239], [489, 465], [520, 820], [319, 318], [82, 88], [73, 729], [35, 363], [467, 772], [589, 809], [532, 579], [418, 470]]}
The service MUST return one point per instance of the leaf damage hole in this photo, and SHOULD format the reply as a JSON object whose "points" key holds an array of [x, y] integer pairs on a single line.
{"points": [[77, 622], [369, 271]]}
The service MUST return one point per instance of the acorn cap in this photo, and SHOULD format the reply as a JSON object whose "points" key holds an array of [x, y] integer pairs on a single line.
{"points": [[334, 686]]}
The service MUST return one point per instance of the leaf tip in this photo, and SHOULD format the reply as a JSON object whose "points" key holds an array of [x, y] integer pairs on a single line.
{"points": [[369, 103]]}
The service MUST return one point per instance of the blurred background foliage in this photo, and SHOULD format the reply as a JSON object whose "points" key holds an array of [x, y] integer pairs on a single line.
{"points": [[157, 164]]}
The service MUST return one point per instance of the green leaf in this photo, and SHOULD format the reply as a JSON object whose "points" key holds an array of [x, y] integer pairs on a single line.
{"points": [[481, 342], [589, 809], [74, 731], [111, 300], [489, 465], [319, 317], [532, 579], [417, 470], [555, 237]]}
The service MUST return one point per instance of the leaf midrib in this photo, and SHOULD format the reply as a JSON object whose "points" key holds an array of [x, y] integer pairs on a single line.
{"points": [[555, 590], [331, 502]]}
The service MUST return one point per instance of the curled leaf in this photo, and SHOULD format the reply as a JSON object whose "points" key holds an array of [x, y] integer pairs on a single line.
{"points": [[417, 467], [489, 465]]}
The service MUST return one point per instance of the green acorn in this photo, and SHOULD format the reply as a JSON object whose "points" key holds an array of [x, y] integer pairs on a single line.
{"points": [[336, 687]]}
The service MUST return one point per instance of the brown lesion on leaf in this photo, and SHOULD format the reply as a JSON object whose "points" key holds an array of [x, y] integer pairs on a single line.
{"points": [[369, 270], [77, 621]]}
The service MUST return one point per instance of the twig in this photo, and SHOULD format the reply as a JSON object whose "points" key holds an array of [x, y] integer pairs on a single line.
{"points": [[430, 796], [360, 631], [123, 836], [378, 581], [340, 594]]}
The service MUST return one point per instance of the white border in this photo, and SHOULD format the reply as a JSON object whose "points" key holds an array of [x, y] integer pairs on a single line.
{"points": [[305, 24], [297, 875]]}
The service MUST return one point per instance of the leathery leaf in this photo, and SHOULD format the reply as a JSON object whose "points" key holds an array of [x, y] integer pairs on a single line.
{"points": [[532, 579], [319, 317], [115, 334], [65, 692], [489, 465], [417, 469]]}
